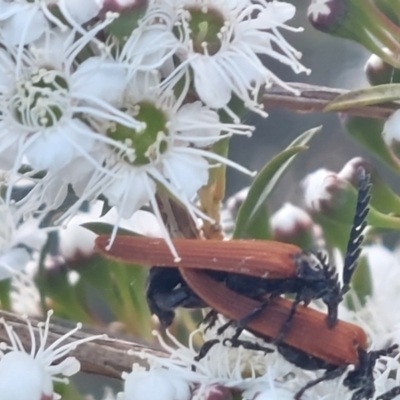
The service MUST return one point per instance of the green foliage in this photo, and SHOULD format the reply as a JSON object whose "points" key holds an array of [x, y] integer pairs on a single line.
{"points": [[253, 217], [365, 97], [368, 133]]}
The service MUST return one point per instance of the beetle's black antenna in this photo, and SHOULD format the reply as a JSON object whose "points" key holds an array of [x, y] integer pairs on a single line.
{"points": [[359, 223]]}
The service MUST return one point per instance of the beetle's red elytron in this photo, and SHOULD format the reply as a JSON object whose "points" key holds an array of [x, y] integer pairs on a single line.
{"points": [[261, 270]]}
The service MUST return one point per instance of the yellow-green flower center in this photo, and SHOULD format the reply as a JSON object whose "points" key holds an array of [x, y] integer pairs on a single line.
{"points": [[41, 100], [205, 27], [149, 143]]}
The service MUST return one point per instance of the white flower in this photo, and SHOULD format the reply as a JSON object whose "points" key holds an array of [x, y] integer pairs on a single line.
{"points": [[30, 375], [16, 238], [149, 48], [44, 97], [220, 41], [319, 7], [252, 374], [157, 383], [222, 369], [169, 151]]}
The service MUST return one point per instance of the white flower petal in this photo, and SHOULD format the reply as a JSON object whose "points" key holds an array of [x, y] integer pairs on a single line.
{"points": [[54, 149], [129, 192], [26, 24], [101, 79], [185, 125], [15, 259], [187, 172], [210, 82], [22, 378], [83, 11]]}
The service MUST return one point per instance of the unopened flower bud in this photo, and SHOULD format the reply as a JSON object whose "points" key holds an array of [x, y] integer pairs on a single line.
{"points": [[291, 224], [379, 72], [383, 198], [327, 193], [360, 21], [326, 15], [234, 202], [391, 132], [350, 171]]}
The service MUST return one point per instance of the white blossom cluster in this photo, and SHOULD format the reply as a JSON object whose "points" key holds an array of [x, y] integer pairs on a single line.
{"points": [[235, 371], [123, 115]]}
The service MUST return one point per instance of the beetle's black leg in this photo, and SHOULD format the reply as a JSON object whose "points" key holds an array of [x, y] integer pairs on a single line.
{"points": [[361, 379], [286, 325], [242, 323], [205, 348], [210, 319], [225, 326], [247, 344], [328, 375], [356, 234]]}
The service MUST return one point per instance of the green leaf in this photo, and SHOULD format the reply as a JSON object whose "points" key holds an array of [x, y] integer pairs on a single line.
{"points": [[383, 198], [5, 286], [368, 133], [365, 97], [66, 299], [121, 286], [102, 228], [252, 219], [127, 21], [361, 283], [68, 391], [380, 220], [336, 233]]}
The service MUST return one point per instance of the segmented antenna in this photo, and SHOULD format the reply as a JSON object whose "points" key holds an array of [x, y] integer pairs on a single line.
{"points": [[359, 223]]}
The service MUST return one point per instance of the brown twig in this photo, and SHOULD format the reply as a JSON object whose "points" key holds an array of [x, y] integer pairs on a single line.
{"points": [[107, 357], [316, 98]]}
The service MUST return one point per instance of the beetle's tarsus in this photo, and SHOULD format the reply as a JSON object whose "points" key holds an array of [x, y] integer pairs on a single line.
{"points": [[246, 344], [205, 348]]}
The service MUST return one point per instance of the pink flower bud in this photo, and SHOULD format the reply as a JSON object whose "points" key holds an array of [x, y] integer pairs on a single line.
{"points": [[291, 224]]}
